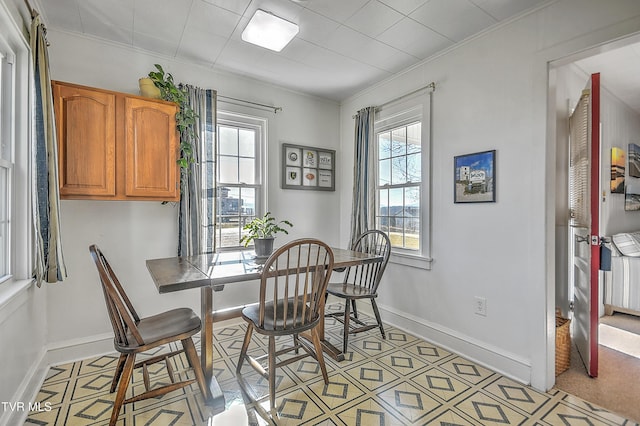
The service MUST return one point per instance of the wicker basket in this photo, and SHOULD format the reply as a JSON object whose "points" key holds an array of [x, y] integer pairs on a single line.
{"points": [[563, 344]]}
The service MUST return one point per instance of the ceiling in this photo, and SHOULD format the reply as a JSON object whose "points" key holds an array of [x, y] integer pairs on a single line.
{"points": [[619, 70], [343, 46]]}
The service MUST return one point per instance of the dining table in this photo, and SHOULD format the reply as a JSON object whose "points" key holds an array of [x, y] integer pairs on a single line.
{"points": [[211, 273]]}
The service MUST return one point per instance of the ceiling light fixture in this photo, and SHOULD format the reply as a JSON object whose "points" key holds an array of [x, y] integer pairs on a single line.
{"points": [[269, 31]]}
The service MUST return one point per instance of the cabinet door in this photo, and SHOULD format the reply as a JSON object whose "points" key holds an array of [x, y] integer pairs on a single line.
{"points": [[86, 141], [151, 146]]}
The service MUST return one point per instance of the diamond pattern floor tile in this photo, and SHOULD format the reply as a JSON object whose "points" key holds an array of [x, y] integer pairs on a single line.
{"points": [[400, 380]]}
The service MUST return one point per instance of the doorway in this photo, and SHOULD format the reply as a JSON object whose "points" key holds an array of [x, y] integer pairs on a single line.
{"points": [[620, 105]]}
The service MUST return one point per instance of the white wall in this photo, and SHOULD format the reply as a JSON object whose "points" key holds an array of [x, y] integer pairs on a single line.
{"points": [[22, 305], [491, 94], [130, 232]]}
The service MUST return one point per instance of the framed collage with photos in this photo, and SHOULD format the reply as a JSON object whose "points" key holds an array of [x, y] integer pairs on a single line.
{"points": [[305, 167]]}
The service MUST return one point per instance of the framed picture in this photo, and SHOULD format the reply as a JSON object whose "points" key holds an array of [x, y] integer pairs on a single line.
{"points": [[310, 168], [618, 161], [293, 156], [474, 177], [634, 160]]}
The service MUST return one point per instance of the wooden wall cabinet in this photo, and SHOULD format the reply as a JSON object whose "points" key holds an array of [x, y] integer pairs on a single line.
{"points": [[115, 146]]}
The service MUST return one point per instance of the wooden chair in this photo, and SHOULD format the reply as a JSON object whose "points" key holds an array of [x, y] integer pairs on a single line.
{"points": [[361, 282], [134, 335], [292, 293]]}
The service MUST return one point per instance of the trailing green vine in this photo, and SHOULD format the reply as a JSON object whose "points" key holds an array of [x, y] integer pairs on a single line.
{"points": [[186, 116]]}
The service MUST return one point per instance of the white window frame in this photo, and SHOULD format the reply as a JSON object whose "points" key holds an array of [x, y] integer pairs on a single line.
{"points": [[19, 119], [411, 110], [259, 125]]}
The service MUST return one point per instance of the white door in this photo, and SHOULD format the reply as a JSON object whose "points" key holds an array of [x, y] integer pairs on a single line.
{"points": [[584, 188]]}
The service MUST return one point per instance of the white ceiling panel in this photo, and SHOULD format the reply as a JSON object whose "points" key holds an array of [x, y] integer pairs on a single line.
{"points": [[236, 6], [374, 18], [314, 27], [209, 19], [339, 11], [503, 9], [65, 16], [404, 6], [383, 56], [342, 47], [414, 39], [454, 19], [104, 19], [155, 44], [345, 41], [200, 47]]}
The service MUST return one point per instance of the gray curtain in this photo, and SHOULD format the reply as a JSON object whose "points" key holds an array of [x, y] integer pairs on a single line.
{"points": [[364, 184], [196, 218], [49, 263]]}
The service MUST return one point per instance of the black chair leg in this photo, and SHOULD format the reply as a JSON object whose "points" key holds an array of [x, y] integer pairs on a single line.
{"points": [[353, 308], [118, 372], [377, 313], [127, 372], [345, 337], [245, 346], [272, 371]]}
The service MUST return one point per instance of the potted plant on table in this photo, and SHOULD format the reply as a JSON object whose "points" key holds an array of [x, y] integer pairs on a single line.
{"points": [[262, 231]]}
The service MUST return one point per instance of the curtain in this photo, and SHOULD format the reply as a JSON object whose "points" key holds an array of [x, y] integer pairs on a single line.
{"points": [[49, 263], [196, 218], [364, 184]]}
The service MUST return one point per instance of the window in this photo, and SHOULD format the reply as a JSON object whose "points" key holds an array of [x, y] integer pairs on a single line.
{"points": [[402, 190], [399, 180], [6, 165], [239, 191]]}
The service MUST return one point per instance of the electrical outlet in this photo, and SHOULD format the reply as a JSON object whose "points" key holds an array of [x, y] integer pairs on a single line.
{"points": [[480, 306]]}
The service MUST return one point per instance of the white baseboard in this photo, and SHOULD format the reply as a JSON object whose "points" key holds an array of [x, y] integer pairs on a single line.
{"points": [[27, 392], [77, 349], [495, 359], [60, 353]]}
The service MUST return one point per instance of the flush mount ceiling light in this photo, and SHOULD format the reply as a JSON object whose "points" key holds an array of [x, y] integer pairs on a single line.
{"points": [[269, 31]]}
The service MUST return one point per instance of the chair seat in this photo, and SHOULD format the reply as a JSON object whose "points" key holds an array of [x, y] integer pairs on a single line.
{"points": [[346, 290], [161, 328], [252, 313]]}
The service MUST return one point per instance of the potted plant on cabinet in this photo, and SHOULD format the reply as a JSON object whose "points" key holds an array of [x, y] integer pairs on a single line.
{"points": [[186, 116], [262, 231]]}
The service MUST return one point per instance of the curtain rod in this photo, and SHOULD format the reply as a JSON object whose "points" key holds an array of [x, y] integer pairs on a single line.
{"points": [[255, 104], [431, 86], [31, 9]]}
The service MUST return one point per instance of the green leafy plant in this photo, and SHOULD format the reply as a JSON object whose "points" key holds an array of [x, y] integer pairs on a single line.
{"points": [[186, 116], [263, 227]]}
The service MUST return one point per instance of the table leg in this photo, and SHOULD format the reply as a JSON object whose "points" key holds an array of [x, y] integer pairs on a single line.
{"points": [[214, 397]]}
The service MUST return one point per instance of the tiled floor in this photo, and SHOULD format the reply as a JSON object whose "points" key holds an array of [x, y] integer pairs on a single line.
{"points": [[398, 381]]}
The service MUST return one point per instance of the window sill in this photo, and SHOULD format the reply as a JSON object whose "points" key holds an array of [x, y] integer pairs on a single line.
{"points": [[11, 289], [413, 261]]}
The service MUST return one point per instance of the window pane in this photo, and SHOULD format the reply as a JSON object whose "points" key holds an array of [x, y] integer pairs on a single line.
{"points": [[399, 141], [4, 222], [228, 169], [248, 210], [399, 170], [414, 168], [383, 202], [414, 138], [247, 142], [396, 228], [247, 170], [384, 172], [228, 141], [236, 207], [384, 145]]}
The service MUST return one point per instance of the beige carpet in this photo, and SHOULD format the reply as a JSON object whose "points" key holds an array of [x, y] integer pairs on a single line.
{"points": [[617, 387]]}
